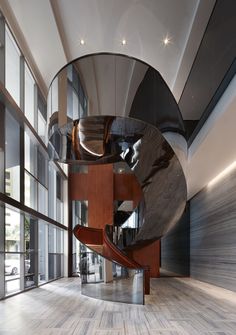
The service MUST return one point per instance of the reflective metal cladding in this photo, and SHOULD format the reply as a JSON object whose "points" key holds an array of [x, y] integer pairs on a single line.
{"points": [[112, 108], [103, 100]]}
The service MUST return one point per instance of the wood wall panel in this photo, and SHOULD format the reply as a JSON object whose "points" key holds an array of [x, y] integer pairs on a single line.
{"points": [[78, 186], [149, 255], [213, 233], [100, 195]]}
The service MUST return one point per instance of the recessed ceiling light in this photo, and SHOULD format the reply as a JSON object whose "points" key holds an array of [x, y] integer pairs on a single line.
{"points": [[166, 40], [82, 42], [123, 42]]}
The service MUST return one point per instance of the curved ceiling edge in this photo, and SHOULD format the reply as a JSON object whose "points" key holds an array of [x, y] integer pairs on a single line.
{"points": [[114, 84]]}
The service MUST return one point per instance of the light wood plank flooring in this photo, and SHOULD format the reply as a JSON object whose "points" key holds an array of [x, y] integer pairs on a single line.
{"points": [[175, 306]]}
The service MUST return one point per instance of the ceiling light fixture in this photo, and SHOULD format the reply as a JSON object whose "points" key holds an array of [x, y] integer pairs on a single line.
{"points": [[166, 40], [82, 42], [123, 42]]}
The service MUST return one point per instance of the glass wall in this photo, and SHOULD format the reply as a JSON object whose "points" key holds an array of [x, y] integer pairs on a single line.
{"points": [[79, 216], [55, 253], [29, 101], [42, 118], [12, 157], [31, 245], [33, 252], [12, 67], [59, 196], [14, 251], [30, 248], [76, 98], [14, 256], [43, 252], [36, 176]]}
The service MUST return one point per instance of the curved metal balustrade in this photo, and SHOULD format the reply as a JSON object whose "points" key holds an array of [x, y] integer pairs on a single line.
{"points": [[125, 110]]}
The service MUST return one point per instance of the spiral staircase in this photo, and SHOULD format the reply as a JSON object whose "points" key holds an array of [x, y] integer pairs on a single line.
{"points": [[145, 138]]}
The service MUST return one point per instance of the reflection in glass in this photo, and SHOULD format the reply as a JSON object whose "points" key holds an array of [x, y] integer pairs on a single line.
{"points": [[55, 253], [12, 286], [76, 99], [30, 191], [41, 126], [42, 199], [43, 253], [42, 170], [12, 266], [51, 239], [55, 266], [30, 277], [59, 198], [91, 267], [12, 67], [60, 211], [12, 157], [52, 192], [54, 105], [42, 118], [30, 155], [79, 216], [59, 241], [12, 231], [30, 255], [2, 273], [112, 281], [29, 95]]}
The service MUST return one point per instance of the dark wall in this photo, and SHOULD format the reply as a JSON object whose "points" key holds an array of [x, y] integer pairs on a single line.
{"points": [[175, 247], [213, 233], [213, 67]]}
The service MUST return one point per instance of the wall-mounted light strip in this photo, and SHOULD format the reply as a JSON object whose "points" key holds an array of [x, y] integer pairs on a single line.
{"points": [[222, 174]]}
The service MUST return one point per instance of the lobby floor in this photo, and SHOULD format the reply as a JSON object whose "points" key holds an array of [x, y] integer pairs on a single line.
{"points": [[175, 306]]}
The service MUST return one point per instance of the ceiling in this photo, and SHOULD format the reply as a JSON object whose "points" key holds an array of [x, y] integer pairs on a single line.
{"points": [[52, 30]]}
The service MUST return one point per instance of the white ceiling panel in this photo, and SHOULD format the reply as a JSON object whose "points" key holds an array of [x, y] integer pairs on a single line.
{"points": [[39, 28], [144, 24], [53, 29]]}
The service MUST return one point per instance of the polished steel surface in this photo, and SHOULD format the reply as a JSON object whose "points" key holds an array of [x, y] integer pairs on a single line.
{"points": [[124, 284], [128, 288], [117, 85], [113, 108], [110, 88], [105, 139]]}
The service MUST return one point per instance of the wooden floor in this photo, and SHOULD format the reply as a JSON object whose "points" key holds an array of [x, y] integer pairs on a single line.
{"points": [[175, 306]]}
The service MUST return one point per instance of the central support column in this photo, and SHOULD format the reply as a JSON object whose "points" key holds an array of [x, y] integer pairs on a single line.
{"points": [[100, 195]]}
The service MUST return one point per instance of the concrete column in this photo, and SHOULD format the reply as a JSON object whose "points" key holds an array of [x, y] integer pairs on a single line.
{"points": [[108, 276]]}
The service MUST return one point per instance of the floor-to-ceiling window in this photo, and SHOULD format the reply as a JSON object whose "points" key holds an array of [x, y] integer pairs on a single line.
{"points": [[12, 66], [14, 251], [12, 157], [32, 203], [79, 216]]}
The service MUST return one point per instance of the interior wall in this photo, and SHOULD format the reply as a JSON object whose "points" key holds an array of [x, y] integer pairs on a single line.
{"points": [[148, 255], [175, 247], [213, 233]]}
